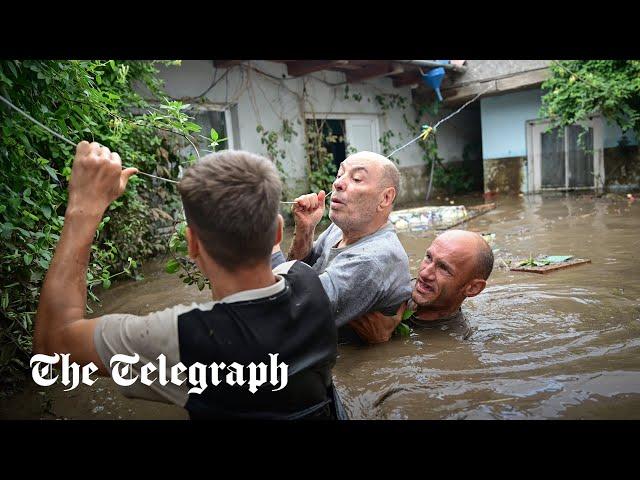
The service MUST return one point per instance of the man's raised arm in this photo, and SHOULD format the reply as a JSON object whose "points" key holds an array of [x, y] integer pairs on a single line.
{"points": [[307, 213], [97, 179]]}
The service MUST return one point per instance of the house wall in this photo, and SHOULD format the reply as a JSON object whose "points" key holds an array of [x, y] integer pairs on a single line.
{"points": [[504, 145], [267, 99]]}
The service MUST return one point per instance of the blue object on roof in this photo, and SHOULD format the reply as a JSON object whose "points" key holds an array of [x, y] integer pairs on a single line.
{"points": [[433, 77]]}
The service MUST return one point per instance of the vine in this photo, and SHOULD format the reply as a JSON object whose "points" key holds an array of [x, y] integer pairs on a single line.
{"points": [[92, 100]]}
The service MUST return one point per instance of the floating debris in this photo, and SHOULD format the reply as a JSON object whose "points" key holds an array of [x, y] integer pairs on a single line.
{"points": [[546, 264], [436, 218]]}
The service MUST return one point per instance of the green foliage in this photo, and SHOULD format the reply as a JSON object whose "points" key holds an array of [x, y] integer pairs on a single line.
{"points": [[388, 101], [322, 169], [387, 148], [578, 88], [450, 180], [180, 262], [271, 140], [81, 100], [402, 330], [531, 262], [354, 96], [215, 140]]}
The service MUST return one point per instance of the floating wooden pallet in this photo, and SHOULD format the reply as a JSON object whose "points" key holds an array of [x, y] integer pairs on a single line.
{"points": [[554, 266]]}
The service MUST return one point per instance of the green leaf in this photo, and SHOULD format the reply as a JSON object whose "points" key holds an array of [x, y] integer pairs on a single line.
{"points": [[7, 228], [12, 68], [27, 257], [106, 283], [214, 135], [403, 330], [46, 211], [200, 283], [172, 266], [407, 313]]}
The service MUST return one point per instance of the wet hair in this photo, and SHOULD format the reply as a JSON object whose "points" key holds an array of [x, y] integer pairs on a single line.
{"points": [[231, 200]]}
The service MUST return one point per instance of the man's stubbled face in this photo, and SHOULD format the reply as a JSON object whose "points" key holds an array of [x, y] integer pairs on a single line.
{"points": [[446, 268], [356, 193]]}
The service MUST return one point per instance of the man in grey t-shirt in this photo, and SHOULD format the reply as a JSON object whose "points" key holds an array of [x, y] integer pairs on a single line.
{"points": [[361, 263]]}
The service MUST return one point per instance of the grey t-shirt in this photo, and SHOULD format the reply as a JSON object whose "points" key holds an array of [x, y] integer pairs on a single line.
{"points": [[369, 275]]}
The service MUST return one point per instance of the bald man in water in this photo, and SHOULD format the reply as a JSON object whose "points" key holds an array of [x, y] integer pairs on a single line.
{"points": [[456, 266], [359, 258]]}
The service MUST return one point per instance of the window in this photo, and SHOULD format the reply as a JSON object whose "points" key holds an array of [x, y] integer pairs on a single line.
{"points": [[327, 134], [353, 133], [220, 121], [565, 158]]}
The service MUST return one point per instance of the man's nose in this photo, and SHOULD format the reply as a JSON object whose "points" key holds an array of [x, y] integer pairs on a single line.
{"points": [[339, 183], [428, 270]]}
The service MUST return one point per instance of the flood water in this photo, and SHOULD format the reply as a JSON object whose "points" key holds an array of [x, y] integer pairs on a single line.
{"points": [[561, 345]]}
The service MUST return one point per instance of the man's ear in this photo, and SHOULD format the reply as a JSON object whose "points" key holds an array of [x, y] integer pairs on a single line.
{"points": [[474, 287], [193, 248], [388, 196]]}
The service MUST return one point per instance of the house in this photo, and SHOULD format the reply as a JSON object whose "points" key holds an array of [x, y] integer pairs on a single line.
{"points": [[284, 109], [270, 107], [519, 153]]}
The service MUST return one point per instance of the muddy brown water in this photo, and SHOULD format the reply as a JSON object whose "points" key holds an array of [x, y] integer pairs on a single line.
{"points": [[561, 345]]}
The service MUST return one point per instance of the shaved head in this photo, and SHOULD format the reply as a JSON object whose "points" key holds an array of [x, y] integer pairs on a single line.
{"points": [[472, 242], [389, 173], [456, 266], [363, 193]]}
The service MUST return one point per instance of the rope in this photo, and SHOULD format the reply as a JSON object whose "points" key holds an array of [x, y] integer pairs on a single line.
{"points": [[423, 136], [64, 139]]}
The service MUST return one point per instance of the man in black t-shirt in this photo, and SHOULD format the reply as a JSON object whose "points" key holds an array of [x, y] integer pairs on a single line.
{"points": [[262, 349]]}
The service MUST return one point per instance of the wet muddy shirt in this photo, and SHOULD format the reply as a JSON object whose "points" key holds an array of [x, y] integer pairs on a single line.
{"points": [[456, 324], [370, 275]]}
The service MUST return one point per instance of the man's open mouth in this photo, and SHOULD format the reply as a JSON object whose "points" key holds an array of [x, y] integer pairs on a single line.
{"points": [[423, 287]]}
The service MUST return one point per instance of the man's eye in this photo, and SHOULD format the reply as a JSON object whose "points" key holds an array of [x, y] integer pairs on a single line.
{"points": [[355, 179]]}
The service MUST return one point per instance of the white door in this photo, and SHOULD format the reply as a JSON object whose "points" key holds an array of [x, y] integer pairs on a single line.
{"points": [[566, 158], [362, 134]]}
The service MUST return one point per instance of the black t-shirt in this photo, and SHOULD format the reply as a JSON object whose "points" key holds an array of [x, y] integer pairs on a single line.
{"points": [[292, 319], [296, 323]]}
